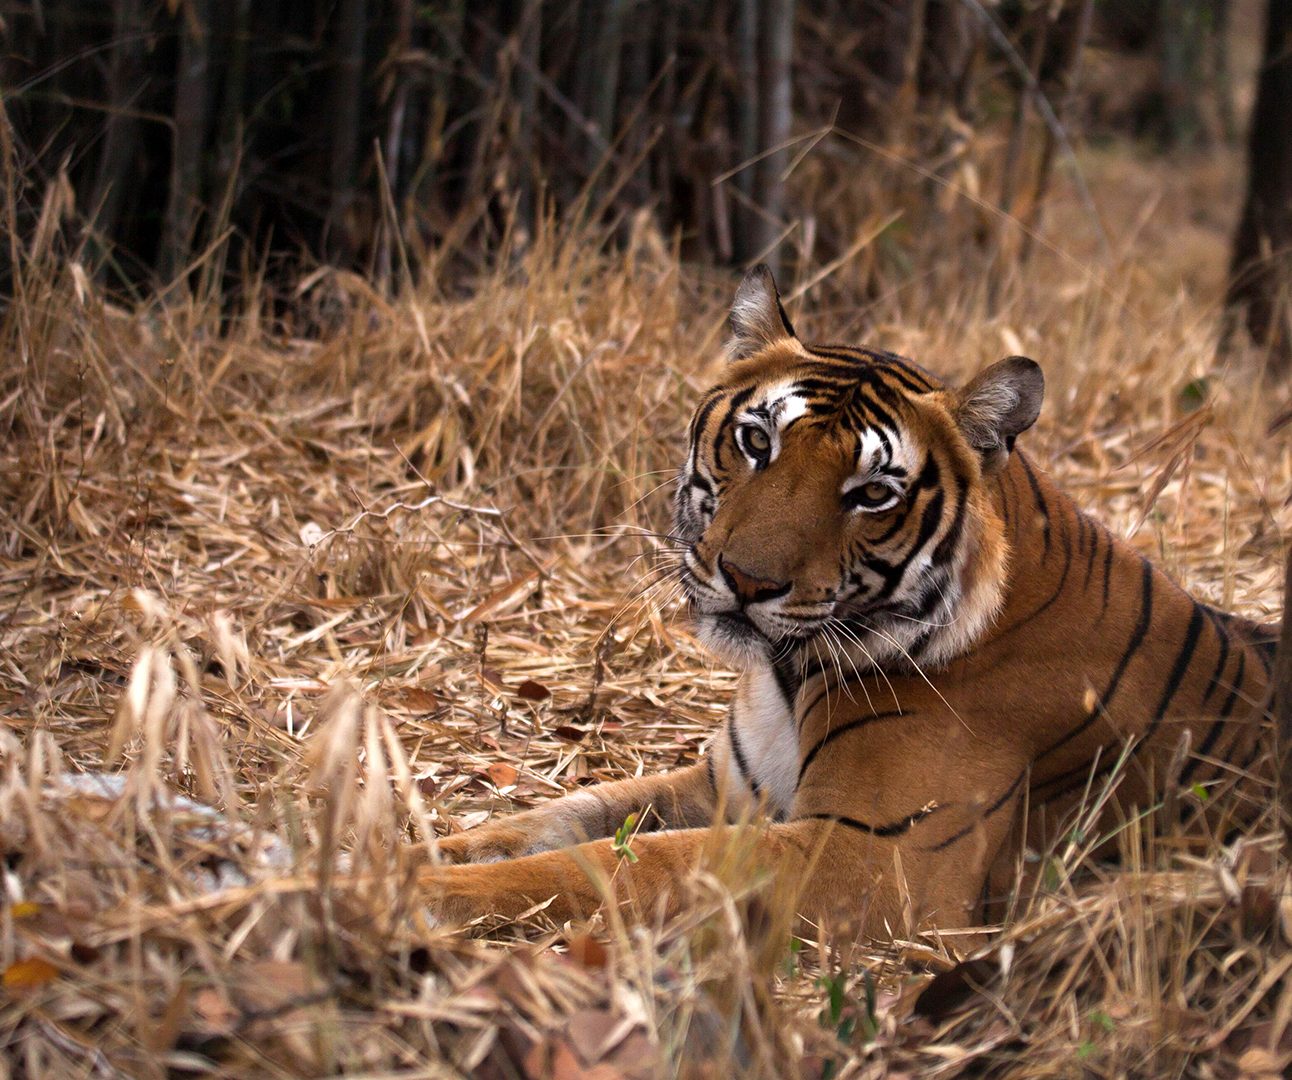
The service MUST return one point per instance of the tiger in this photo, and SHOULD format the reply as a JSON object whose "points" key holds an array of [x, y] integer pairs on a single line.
{"points": [[941, 656]]}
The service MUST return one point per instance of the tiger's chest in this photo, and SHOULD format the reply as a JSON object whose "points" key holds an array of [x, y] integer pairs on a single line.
{"points": [[761, 745]]}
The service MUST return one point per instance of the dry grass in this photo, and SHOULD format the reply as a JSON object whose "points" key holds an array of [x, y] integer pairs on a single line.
{"points": [[357, 569]]}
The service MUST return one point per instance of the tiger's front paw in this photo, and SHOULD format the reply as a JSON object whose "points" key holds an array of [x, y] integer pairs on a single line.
{"points": [[483, 844], [447, 899], [476, 895], [458, 896]]}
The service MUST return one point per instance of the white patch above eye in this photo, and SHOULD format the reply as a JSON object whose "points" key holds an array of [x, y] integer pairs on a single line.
{"points": [[870, 455], [780, 406], [877, 457], [782, 403], [885, 451], [787, 408]]}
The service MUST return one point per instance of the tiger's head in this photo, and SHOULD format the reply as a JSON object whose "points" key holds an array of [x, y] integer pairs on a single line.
{"points": [[843, 494]]}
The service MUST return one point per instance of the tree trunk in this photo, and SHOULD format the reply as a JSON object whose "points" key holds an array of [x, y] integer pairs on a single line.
{"points": [[347, 92], [528, 171], [1260, 272], [394, 91], [1221, 77], [191, 100], [1072, 33], [605, 88], [120, 139], [775, 112], [229, 146], [1183, 45], [951, 38], [748, 95], [1038, 32]]}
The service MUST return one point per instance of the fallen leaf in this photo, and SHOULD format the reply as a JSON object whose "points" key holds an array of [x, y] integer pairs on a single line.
{"points": [[419, 699], [84, 954], [502, 600], [533, 691], [162, 1036], [501, 774], [587, 951], [950, 990], [214, 1013], [566, 1066], [637, 1057], [1260, 1036], [595, 1033], [266, 986], [538, 1061], [570, 733], [29, 973], [1259, 908], [1258, 1064]]}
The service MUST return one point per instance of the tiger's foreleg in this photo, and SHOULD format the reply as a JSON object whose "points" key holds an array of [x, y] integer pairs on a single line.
{"points": [[816, 867], [683, 799], [579, 880]]}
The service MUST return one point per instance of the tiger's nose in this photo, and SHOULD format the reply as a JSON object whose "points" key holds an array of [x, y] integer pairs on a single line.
{"points": [[748, 588]]}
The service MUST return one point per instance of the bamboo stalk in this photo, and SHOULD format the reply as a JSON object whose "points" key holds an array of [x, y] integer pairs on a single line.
{"points": [[343, 122], [775, 116], [525, 114], [189, 137], [1069, 63], [748, 96], [119, 152]]}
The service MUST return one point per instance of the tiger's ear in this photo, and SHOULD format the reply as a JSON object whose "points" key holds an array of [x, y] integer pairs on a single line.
{"points": [[758, 318], [999, 405]]}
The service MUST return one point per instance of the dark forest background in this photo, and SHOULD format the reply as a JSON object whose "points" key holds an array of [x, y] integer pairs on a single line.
{"points": [[365, 133]]}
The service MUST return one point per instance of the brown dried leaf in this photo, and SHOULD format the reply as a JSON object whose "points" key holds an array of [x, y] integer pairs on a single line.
{"points": [[265, 986], [29, 974], [950, 990], [588, 1030], [214, 1013], [501, 774], [537, 1064], [533, 691], [161, 1036], [492, 680], [569, 733], [587, 951], [418, 699], [501, 600], [567, 1066], [636, 1057], [1259, 908], [1260, 1064], [85, 954]]}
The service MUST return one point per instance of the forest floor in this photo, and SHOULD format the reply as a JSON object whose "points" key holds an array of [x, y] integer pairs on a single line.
{"points": [[371, 570]]}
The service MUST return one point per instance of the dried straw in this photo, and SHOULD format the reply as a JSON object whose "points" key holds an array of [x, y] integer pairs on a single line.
{"points": [[365, 571]]}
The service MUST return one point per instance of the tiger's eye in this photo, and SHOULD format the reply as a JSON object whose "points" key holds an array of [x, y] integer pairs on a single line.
{"points": [[872, 496], [757, 440]]}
